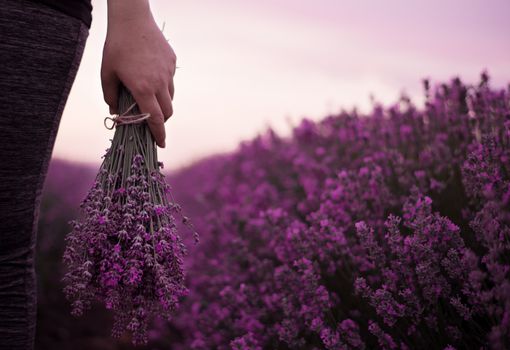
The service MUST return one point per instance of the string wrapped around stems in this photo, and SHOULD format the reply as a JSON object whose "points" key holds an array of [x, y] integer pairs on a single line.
{"points": [[124, 118]]}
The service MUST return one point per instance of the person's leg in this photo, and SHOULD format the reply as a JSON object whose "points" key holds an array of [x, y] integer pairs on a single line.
{"points": [[40, 51]]}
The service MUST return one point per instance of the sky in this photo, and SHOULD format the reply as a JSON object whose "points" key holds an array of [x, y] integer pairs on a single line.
{"points": [[245, 65]]}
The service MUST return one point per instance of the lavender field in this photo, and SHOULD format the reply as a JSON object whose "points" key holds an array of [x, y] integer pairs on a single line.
{"points": [[382, 231]]}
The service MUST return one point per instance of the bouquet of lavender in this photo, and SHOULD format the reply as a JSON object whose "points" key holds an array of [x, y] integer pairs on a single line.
{"points": [[126, 252]]}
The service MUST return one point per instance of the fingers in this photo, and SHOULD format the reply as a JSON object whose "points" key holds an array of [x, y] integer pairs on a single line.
{"points": [[165, 102], [171, 88], [147, 103], [110, 84]]}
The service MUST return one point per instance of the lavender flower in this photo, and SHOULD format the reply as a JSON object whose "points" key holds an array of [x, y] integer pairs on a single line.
{"points": [[387, 230], [125, 251]]}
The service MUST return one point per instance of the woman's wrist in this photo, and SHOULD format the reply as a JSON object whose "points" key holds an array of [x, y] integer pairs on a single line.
{"points": [[120, 11]]}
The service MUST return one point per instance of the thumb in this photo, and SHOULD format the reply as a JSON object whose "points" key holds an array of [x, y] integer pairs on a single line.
{"points": [[110, 84]]}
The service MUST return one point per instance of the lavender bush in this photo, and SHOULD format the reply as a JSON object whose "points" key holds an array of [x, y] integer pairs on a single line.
{"points": [[385, 231]]}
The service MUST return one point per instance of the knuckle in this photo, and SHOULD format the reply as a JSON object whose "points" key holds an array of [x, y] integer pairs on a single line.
{"points": [[168, 115], [173, 56], [156, 119], [173, 60], [142, 88], [160, 81], [147, 87]]}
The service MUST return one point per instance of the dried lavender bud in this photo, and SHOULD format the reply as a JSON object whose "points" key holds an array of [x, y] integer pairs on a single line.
{"points": [[125, 250]]}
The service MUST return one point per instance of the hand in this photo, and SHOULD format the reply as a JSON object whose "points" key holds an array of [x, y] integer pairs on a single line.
{"points": [[137, 54]]}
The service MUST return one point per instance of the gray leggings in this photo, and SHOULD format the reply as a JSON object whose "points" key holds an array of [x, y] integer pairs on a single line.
{"points": [[40, 51]]}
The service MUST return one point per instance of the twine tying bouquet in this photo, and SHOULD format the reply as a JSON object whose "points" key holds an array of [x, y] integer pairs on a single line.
{"points": [[126, 251]]}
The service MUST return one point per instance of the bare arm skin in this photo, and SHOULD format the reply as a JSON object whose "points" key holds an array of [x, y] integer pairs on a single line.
{"points": [[137, 54]]}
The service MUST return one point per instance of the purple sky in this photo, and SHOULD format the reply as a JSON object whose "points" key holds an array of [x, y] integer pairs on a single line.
{"points": [[245, 65]]}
